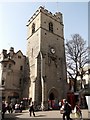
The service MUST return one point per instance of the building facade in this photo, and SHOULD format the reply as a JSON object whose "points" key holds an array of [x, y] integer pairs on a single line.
{"points": [[46, 57], [39, 76], [12, 70]]}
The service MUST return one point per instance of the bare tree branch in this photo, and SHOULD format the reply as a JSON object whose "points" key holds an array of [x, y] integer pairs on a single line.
{"points": [[76, 56]]}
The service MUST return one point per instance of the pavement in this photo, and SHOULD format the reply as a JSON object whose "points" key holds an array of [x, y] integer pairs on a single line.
{"points": [[42, 115]]}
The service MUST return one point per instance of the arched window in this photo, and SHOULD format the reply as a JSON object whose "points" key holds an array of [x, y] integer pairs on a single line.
{"points": [[33, 28], [51, 27], [3, 83]]}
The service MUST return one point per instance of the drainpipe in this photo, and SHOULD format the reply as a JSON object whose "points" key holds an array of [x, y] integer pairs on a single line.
{"points": [[42, 82]]}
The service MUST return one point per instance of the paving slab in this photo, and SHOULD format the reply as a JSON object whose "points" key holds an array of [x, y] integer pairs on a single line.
{"points": [[42, 115]]}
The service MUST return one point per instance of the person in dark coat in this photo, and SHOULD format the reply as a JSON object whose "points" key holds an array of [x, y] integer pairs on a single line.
{"points": [[3, 109], [67, 110], [31, 109]]}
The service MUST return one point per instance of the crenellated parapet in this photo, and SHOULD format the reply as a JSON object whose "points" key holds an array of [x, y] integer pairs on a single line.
{"points": [[57, 16]]}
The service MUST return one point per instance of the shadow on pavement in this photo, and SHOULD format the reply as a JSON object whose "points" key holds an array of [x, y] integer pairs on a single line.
{"points": [[11, 116], [16, 116], [40, 115]]}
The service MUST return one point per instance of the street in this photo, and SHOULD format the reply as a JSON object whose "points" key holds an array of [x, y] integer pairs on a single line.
{"points": [[42, 115]]}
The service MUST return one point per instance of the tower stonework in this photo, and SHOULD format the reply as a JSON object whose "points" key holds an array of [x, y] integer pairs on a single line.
{"points": [[46, 56]]}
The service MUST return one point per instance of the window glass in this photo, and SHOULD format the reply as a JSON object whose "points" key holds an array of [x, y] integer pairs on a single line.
{"points": [[3, 82], [21, 67], [50, 27], [33, 28], [9, 66], [19, 56]]}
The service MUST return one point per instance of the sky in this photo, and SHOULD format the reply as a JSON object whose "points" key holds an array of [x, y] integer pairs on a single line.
{"points": [[89, 27], [14, 17]]}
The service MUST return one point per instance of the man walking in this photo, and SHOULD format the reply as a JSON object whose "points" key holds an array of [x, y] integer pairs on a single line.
{"points": [[31, 109], [67, 110]]}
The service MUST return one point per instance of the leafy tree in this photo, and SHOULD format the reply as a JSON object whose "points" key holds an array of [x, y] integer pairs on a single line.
{"points": [[76, 57]]}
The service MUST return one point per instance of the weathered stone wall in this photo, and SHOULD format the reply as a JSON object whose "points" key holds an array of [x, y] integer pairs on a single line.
{"points": [[44, 65]]}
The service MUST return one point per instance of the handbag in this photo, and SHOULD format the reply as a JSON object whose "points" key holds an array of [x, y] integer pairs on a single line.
{"points": [[77, 114], [62, 110]]}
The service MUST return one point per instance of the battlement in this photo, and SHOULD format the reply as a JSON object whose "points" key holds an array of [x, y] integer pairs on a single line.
{"points": [[57, 16]]}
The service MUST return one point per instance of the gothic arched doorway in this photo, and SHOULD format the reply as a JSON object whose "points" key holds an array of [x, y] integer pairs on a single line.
{"points": [[53, 99], [13, 97], [51, 96]]}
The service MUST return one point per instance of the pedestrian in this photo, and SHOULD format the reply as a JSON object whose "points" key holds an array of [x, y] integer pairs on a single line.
{"points": [[67, 110], [31, 109], [7, 106], [21, 107], [3, 109], [17, 107], [10, 110], [60, 104], [78, 112]]}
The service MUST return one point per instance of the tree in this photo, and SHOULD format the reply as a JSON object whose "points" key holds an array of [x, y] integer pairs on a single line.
{"points": [[76, 57]]}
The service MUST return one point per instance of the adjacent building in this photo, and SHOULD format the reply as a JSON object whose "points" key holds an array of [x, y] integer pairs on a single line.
{"points": [[12, 70]]}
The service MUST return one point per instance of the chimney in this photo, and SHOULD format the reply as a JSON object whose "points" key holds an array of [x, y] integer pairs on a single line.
{"points": [[11, 51], [4, 53]]}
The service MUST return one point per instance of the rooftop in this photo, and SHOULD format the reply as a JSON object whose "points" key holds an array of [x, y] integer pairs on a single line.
{"points": [[57, 16]]}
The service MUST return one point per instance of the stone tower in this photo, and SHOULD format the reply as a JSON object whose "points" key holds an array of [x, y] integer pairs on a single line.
{"points": [[46, 56]]}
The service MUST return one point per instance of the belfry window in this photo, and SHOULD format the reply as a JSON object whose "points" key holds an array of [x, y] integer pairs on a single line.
{"points": [[33, 28], [3, 82], [51, 27]]}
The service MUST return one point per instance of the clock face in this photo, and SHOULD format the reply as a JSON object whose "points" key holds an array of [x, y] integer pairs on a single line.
{"points": [[52, 50]]}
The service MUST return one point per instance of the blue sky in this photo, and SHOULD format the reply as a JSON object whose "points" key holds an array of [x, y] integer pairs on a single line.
{"points": [[14, 17], [89, 23]]}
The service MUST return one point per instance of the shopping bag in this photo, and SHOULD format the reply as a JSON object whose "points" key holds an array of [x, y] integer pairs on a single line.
{"points": [[77, 115], [62, 110]]}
